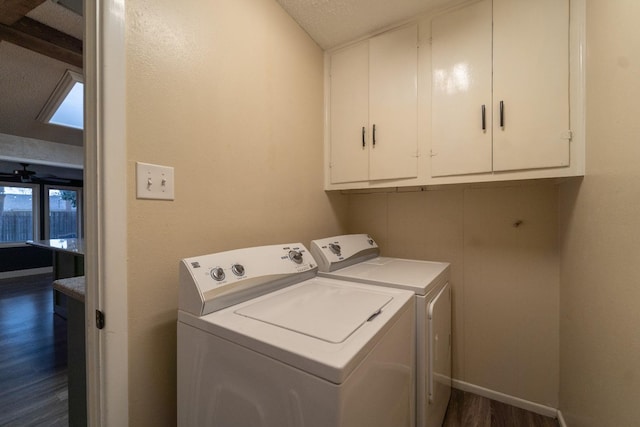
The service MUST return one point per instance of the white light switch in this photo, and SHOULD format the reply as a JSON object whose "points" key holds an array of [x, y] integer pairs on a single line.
{"points": [[154, 181]]}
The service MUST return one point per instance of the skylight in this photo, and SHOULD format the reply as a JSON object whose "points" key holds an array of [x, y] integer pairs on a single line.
{"points": [[69, 113], [65, 106]]}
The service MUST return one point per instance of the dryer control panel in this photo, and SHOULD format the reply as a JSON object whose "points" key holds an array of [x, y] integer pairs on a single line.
{"points": [[333, 253], [212, 282]]}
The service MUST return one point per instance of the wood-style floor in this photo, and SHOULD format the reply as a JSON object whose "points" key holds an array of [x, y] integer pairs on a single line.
{"points": [[470, 410], [33, 355]]}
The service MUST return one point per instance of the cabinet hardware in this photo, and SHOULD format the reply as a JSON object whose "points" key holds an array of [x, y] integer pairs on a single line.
{"points": [[502, 114], [374, 135], [363, 137], [484, 117]]}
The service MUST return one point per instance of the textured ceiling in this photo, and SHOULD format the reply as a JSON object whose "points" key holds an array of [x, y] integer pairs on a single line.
{"points": [[334, 22], [29, 78]]}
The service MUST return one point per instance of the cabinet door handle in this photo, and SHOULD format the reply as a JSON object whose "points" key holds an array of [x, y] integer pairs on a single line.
{"points": [[501, 114], [484, 117], [374, 135], [363, 144]]}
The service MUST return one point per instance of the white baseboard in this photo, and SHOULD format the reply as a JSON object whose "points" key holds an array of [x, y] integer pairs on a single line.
{"points": [[561, 420], [505, 398], [27, 272]]}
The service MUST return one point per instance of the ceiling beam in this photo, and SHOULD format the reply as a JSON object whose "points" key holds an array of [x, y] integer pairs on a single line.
{"points": [[11, 11], [43, 39]]}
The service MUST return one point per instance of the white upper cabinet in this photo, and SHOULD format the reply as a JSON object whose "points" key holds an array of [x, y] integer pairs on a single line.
{"points": [[393, 104], [531, 80], [487, 90], [373, 109], [500, 87], [350, 114], [461, 91]]}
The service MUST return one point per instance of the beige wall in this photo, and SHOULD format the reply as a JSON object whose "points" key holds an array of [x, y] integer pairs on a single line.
{"points": [[504, 278], [230, 93], [600, 269]]}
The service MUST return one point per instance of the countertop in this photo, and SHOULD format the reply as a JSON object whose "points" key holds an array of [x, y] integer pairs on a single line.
{"points": [[72, 246], [72, 287]]}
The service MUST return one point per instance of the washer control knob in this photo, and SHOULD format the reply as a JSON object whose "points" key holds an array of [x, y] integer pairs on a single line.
{"points": [[295, 256], [335, 248], [237, 269], [217, 274]]}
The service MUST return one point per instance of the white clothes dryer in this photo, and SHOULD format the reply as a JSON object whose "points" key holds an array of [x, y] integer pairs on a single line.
{"points": [[264, 342], [356, 257]]}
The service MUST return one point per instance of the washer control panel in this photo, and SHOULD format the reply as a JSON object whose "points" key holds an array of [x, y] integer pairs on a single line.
{"points": [[217, 274], [337, 252], [335, 248], [237, 269], [211, 282], [296, 256]]}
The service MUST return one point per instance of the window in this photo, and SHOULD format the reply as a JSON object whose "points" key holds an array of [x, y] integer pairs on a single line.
{"points": [[69, 113], [18, 204], [66, 103], [63, 213]]}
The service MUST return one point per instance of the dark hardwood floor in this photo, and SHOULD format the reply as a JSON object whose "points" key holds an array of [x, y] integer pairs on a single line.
{"points": [[33, 355], [470, 410]]}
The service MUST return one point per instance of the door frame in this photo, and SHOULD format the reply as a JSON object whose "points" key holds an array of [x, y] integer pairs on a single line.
{"points": [[105, 210]]}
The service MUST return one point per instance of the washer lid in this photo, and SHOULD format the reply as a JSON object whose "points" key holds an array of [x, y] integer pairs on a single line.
{"points": [[341, 310], [316, 356]]}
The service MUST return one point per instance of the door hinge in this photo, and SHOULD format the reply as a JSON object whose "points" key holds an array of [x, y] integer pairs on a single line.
{"points": [[99, 319], [568, 135]]}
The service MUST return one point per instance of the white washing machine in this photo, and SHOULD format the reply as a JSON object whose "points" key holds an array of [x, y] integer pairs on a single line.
{"points": [[356, 257], [264, 342]]}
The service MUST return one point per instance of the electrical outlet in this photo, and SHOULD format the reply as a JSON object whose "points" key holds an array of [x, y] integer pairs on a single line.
{"points": [[154, 181]]}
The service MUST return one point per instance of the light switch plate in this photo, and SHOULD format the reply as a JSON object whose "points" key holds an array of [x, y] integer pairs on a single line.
{"points": [[154, 181]]}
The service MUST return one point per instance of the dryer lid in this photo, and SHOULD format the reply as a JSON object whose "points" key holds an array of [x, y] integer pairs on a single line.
{"points": [[341, 310], [414, 275]]}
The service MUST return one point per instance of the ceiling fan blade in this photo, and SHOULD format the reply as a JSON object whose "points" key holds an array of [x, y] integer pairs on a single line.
{"points": [[28, 176], [51, 179]]}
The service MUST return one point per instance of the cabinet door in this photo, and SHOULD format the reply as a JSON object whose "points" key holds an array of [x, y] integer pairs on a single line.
{"points": [[461, 91], [531, 79], [393, 104], [349, 157]]}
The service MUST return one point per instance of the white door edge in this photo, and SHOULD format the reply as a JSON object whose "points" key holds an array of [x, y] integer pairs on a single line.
{"points": [[105, 210]]}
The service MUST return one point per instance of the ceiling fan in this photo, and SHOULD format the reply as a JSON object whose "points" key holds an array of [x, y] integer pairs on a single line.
{"points": [[26, 175]]}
